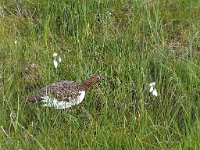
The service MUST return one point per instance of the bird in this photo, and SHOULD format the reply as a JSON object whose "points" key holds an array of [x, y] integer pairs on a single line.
{"points": [[64, 94]]}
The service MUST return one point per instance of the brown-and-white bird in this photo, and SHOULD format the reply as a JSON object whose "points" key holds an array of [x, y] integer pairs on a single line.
{"points": [[64, 94]]}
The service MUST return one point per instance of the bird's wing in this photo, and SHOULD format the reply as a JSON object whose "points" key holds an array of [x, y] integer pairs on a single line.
{"points": [[63, 90]]}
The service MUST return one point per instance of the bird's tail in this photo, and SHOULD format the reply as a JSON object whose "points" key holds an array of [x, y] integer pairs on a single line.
{"points": [[34, 98]]}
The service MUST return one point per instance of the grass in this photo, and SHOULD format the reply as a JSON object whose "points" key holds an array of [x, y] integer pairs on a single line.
{"points": [[131, 43]]}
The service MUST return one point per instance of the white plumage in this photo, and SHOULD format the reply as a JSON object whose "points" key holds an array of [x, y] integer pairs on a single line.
{"points": [[52, 102]]}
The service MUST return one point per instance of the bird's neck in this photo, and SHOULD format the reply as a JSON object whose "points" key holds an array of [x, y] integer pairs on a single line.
{"points": [[86, 84]]}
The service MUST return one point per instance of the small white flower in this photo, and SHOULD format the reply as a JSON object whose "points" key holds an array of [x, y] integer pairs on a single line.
{"points": [[152, 84], [56, 59], [15, 42], [59, 59], [153, 89], [55, 63], [55, 54], [155, 93]]}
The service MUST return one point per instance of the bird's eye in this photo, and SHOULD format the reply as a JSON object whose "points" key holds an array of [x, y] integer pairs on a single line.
{"points": [[101, 78]]}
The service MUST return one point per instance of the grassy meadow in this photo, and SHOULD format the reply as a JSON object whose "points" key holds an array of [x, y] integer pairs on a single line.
{"points": [[131, 44]]}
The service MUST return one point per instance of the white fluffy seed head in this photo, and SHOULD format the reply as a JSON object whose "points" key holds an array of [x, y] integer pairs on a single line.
{"points": [[56, 59], [155, 93], [55, 54], [59, 59], [152, 84], [151, 89], [55, 63]]}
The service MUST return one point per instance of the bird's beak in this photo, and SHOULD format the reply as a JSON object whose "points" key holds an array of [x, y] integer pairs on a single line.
{"points": [[102, 78]]}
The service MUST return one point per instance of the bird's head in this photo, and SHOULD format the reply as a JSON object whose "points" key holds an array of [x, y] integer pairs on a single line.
{"points": [[92, 80]]}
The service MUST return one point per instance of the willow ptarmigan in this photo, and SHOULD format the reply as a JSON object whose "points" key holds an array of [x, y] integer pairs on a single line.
{"points": [[64, 94]]}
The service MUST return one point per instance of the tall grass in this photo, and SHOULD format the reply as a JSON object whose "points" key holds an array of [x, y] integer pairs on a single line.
{"points": [[131, 43]]}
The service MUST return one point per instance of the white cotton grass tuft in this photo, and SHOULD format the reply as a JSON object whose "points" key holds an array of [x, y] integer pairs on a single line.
{"points": [[55, 63], [153, 89], [59, 59], [152, 84], [55, 54], [155, 93], [56, 60]]}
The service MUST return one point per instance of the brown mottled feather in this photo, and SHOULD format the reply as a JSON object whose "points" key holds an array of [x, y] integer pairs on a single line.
{"points": [[60, 90]]}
